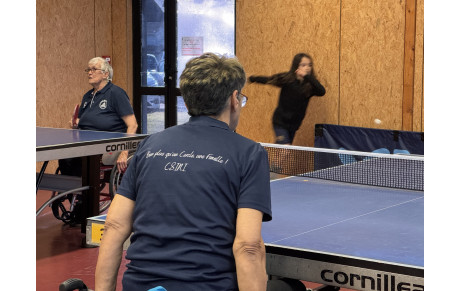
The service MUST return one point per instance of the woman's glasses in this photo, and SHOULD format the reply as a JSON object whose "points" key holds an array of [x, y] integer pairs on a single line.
{"points": [[92, 70]]}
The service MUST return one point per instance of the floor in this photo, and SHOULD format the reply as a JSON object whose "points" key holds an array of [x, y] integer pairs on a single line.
{"points": [[59, 252], [60, 255]]}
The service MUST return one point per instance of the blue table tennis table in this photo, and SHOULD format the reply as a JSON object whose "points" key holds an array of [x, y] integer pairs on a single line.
{"points": [[59, 143], [346, 235], [340, 234]]}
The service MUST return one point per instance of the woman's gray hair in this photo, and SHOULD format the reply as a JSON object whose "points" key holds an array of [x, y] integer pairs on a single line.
{"points": [[105, 66], [208, 81]]}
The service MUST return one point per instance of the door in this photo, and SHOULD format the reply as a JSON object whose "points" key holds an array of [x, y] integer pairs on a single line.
{"points": [[166, 35]]}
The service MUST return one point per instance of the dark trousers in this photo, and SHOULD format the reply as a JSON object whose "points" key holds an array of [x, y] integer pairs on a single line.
{"points": [[71, 166]]}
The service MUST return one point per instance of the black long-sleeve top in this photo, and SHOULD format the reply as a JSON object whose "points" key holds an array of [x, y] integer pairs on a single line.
{"points": [[293, 99]]}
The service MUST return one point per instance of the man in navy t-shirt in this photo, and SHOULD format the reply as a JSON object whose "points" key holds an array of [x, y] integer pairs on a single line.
{"points": [[194, 196]]}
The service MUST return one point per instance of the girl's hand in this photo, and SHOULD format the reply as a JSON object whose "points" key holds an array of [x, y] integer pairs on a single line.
{"points": [[301, 73]]}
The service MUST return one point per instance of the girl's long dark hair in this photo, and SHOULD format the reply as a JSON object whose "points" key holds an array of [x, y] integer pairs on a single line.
{"points": [[281, 79]]}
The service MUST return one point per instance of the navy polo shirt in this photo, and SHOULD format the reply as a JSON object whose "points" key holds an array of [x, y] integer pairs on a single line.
{"points": [[104, 110], [188, 182]]}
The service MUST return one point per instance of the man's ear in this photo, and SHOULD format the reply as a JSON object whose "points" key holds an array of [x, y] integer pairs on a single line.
{"points": [[234, 102]]}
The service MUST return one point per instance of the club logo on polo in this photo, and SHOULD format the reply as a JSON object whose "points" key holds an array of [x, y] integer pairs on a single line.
{"points": [[129, 145], [103, 104]]}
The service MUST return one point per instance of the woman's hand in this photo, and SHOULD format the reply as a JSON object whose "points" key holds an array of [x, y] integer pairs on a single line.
{"points": [[122, 161], [72, 124]]}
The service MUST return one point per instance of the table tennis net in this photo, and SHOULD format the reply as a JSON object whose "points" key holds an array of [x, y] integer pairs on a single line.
{"points": [[384, 170]]}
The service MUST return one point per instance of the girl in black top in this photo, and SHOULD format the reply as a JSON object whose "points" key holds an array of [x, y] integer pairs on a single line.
{"points": [[297, 87]]}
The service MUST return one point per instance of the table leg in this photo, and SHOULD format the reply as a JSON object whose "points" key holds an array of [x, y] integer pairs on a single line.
{"points": [[90, 198], [40, 175]]}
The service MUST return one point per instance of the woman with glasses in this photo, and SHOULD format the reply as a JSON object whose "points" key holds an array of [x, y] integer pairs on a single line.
{"points": [[194, 196], [105, 107], [297, 85]]}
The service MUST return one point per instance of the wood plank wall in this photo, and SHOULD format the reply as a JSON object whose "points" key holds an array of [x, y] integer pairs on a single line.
{"points": [[361, 50], [364, 53], [418, 112], [70, 33]]}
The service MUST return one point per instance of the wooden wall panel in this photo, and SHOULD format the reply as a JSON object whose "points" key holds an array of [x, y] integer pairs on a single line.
{"points": [[371, 63], [120, 44], [64, 46], [129, 41], [103, 28], [418, 118], [258, 47], [268, 35], [409, 66]]}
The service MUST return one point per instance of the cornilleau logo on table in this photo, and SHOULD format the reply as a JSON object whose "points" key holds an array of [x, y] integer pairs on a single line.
{"points": [[379, 283], [129, 145]]}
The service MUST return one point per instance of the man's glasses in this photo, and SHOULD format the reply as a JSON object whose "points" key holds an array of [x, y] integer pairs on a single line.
{"points": [[244, 99], [92, 70]]}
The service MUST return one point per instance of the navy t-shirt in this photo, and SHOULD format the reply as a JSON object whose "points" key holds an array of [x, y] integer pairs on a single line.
{"points": [[104, 110], [188, 182]]}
